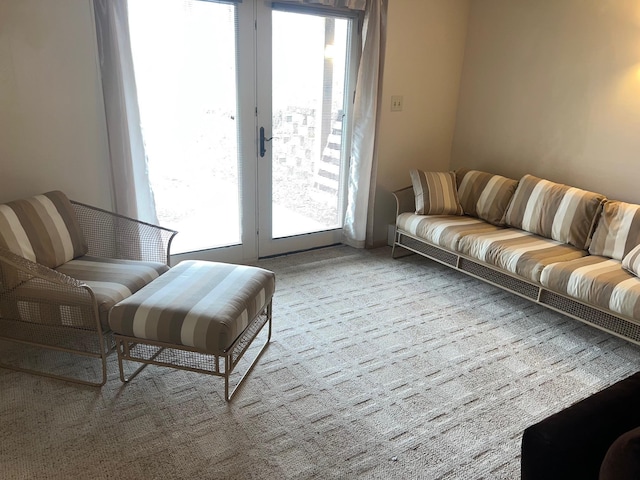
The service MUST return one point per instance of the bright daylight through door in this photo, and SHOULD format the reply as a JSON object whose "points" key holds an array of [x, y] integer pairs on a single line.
{"points": [[309, 60], [195, 62], [184, 55]]}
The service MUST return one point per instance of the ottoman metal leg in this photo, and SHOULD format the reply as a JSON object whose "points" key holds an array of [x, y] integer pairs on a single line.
{"points": [[149, 352], [229, 364], [123, 348]]}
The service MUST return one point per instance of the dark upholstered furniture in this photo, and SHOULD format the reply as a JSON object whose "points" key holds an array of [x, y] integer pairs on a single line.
{"points": [[596, 438]]}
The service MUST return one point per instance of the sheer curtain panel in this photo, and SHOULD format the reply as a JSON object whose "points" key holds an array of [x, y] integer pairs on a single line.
{"points": [[132, 192], [358, 223]]}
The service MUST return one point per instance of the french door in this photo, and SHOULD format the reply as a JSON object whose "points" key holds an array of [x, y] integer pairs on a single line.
{"points": [[245, 112]]}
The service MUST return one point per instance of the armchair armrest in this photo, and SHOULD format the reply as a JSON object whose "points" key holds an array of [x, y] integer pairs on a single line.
{"points": [[111, 235], [31, 292], [405, 200], [42, 310]]}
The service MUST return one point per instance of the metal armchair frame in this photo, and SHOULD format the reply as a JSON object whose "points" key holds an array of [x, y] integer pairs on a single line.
{"points": [[65, 318]]}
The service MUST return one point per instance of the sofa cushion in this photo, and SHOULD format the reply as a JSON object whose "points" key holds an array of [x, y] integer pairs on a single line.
{"points": [[517, 251], [43, 229], [596, 280], [562, 213], [443, 230], [436, 193], [485, 195], [112, 280], [631, 261], [618, 230]]}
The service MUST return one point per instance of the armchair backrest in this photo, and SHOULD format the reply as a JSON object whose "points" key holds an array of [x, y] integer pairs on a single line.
{"points": [[42, 228]]}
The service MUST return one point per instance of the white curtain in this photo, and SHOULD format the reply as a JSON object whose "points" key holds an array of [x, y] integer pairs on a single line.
{"points": [[358, 225], [132, 191]]}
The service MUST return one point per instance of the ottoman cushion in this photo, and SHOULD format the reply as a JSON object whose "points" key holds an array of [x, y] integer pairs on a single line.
{"points": [[204, 305]]}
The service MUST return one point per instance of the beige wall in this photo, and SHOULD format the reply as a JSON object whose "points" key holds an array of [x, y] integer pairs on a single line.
{"points": [[552, 87], [424, 54], [547, 87], [52, 130]]}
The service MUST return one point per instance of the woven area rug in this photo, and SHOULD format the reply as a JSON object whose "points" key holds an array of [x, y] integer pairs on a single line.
{"points": [[378, 368]]}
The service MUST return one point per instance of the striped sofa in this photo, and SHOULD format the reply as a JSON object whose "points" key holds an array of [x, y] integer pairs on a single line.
{"points": [[63, 265], [569, 249]]}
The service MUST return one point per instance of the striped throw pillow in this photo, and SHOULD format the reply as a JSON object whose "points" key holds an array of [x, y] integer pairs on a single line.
{"points": [[562, 213], [43, 229], [618, 230], [484, 195], [436, 193], [631, 261]]}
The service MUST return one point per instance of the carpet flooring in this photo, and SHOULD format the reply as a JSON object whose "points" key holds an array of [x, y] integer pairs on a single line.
{"points": [[377, 368]]}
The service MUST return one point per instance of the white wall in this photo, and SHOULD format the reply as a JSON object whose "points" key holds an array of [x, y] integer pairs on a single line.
{"points": [[52, 126], [552, 88], [424, 55]]}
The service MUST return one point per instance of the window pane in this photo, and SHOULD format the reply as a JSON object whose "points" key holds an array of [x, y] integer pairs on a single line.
{"points": [[309, 59], [184, 55]]}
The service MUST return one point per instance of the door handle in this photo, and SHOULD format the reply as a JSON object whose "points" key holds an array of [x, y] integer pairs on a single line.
{"points": [[263, 150]]}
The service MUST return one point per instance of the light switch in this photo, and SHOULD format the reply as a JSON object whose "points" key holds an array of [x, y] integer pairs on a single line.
{"points": [[396, 103]]}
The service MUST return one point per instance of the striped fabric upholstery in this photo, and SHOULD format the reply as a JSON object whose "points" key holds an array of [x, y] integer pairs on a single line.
{"points": [[553, 210], [445, 231], [43, 229], [484, 195], [618, 230], [112, 280], [204, 305], [631, 261], [517, 251], [436, 193], [597, 280]]}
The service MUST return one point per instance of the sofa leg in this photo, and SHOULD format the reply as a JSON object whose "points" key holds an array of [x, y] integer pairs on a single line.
{"points": [[407, 253]]}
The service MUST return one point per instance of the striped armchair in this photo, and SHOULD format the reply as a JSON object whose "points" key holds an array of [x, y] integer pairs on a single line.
{"points": [[63, 265]]}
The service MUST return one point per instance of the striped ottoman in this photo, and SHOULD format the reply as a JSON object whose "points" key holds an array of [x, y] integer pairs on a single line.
{"points": [[193, 316]]}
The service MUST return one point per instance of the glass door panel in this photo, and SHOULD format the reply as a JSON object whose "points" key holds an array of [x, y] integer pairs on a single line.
{"points": [[308, 80], [211, 76], [306, 103], [185, 65]]}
